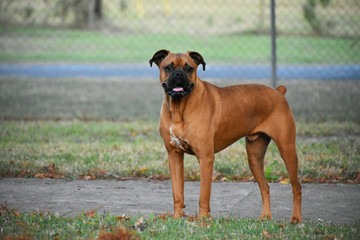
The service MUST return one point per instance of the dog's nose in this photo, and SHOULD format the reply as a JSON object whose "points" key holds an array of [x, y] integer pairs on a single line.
{"points": [[178, 74]]}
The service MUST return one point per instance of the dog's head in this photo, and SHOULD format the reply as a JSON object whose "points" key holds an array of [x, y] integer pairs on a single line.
{"points": [[177, 71]]}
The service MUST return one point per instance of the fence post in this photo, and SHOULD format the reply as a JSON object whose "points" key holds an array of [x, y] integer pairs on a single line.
{"points": [[91, 14], [273, 43]]}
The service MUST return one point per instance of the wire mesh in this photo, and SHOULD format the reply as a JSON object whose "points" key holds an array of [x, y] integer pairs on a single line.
{"points": [[316, 39]]}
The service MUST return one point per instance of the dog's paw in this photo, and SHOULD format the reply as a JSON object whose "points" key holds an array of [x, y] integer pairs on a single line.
{"points": [[204, 215], [178, 214], [264, 217], [295, 220]]}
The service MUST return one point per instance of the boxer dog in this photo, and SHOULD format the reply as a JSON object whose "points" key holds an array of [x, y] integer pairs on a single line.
{"points": [[202, 119]]}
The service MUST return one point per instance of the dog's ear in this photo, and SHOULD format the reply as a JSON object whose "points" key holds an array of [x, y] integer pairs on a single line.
{"points": [[158, 57], [198, 59]]}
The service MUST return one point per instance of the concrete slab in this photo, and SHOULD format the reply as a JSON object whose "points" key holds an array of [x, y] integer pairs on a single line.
{"points": [[336, 203]]}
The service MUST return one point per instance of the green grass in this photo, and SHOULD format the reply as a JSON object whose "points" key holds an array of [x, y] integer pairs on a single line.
{"points": [[40, 225], [51, 45], [107, 149], [107, 128]]}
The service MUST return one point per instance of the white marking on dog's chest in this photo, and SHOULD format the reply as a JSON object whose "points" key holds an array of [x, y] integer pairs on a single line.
{"points": [[177, 141]]}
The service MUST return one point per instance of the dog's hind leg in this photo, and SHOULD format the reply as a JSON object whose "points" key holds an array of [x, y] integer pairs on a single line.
{"points": [[286, 145], [288, 154], [256, 150]]}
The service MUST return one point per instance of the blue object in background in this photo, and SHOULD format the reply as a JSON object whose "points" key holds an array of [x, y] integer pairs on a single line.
{"points": [[288, 72]]}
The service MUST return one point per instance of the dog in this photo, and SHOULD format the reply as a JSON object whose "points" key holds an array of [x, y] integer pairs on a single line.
{"points": [[201, 119]]}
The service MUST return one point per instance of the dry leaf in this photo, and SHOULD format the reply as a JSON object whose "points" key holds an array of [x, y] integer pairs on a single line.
{"points": [[118, 234], [307, 180], [224, 179], [285, 181], [91, 213], [266, 234], [19, 223], [165, 216], [139, 222], [121, 218], [40, 175]]}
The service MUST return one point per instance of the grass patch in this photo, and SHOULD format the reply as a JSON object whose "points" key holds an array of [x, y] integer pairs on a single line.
{"points": [[91, 225], [58, 45], [106, 144], [128, 149]]}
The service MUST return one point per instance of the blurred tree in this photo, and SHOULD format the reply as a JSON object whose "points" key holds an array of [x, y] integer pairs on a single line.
{"points": [[86, 12], [261, 25], [309, 12], [98, 9]]}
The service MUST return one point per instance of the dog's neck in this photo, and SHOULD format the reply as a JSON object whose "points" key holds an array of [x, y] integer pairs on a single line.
{"points": [[177, 107]]}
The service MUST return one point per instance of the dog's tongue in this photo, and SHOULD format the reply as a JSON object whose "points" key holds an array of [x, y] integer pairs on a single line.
{"points": [[178, 89]]}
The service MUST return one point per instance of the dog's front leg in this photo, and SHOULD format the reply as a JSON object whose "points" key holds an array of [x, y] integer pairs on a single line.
{"points": [[176, 165], [206, 170]]}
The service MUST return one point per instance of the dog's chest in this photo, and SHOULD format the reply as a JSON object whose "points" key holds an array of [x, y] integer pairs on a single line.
{"points": [[178, 141]]}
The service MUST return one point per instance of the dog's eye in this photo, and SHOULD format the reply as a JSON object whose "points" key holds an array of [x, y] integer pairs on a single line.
{"points": [[188, 69], [169, 68]]}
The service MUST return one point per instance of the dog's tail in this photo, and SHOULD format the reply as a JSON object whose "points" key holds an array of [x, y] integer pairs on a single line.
{"points": [[281, 89]]}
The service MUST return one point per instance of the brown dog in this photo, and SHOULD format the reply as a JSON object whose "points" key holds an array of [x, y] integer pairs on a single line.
{"points": [[201, 119]]}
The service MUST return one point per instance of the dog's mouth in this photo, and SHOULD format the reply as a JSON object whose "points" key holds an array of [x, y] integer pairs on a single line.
{"points": [[178, 91]]}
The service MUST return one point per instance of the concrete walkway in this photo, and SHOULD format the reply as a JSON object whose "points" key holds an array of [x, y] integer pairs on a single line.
{"points": [[336, 203]]}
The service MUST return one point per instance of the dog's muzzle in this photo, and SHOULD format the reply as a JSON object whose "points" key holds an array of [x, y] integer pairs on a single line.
{"points": [[177, 92], [178, 85]]}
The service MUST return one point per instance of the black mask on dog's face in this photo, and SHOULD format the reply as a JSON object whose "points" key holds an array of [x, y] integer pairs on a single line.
{"points": [[178, 84], [177, 71]]}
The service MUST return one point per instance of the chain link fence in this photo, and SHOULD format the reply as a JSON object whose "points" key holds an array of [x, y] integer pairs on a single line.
{"points": [[316, 39]]}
